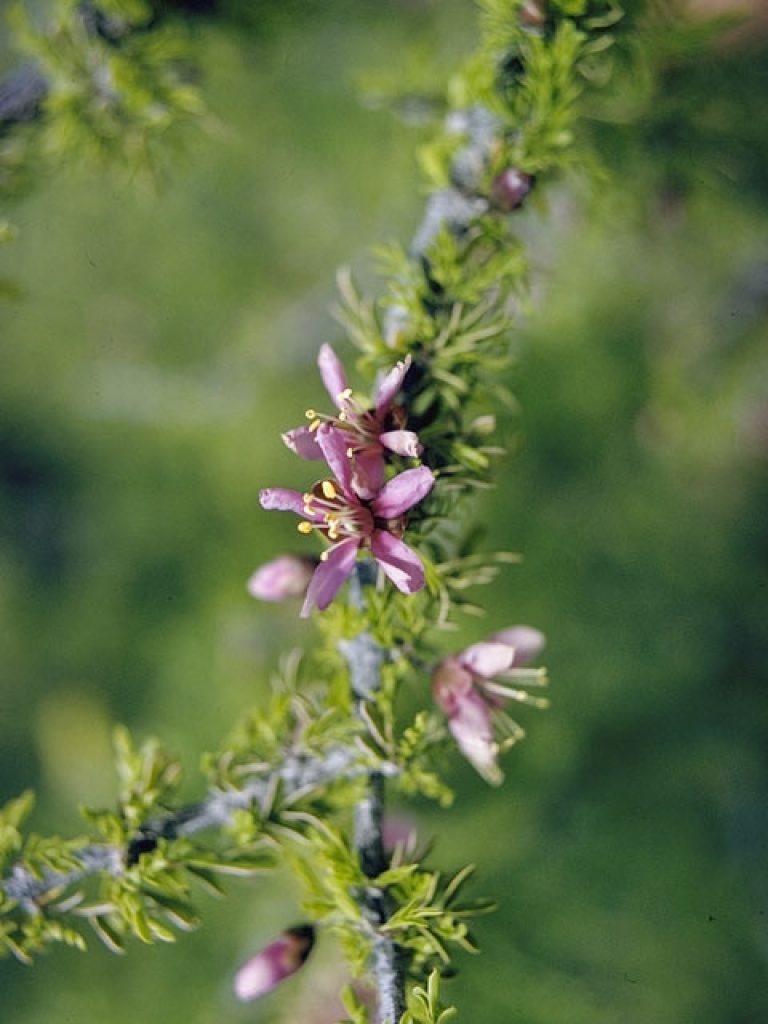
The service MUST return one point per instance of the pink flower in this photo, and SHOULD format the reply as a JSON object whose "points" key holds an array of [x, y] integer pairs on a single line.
{"points": [[352, 522], [472, 687], [278, 961], [368, 432], [282, 578]]}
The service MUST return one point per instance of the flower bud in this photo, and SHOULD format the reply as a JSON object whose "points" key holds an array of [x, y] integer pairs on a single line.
{"points": [[398, 830], [282, 578], [532, 13], [275, 963], [510, 188], [527, 642]]}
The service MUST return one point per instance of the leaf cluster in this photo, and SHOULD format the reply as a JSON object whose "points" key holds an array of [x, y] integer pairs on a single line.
{"points": [[134, 877], [120, 86], [430, 917], [424, 1005], [23, 934]]}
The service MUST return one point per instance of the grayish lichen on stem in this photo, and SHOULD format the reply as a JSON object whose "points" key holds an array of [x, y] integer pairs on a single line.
{"points": [[364, 657]]}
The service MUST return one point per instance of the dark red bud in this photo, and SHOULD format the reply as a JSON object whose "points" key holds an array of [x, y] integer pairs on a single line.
{"points": [[510, 188]]}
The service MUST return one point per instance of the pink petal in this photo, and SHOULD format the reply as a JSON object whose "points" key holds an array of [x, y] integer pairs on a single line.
{"points": [[470, 726], [400, 563], [450, 683], [527, 642], [278, 961], [330, 575], [402, 492], [368, 474], [303, 441], [334, 444], [332, 373], [282, 499], [282, 578], [402, 442], [390, 386], [487, 659]]}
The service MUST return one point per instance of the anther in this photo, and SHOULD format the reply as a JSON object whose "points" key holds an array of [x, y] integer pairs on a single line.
{"points": [[345, 395], [304, 527], [310, 414], [329, 491]]}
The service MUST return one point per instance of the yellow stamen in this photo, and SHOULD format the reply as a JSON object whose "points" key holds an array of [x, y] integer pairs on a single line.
{"points": [[314, 425], [329, 491], [344, 395], [342, 416], [333, 531], [350, 453], [324, 556], [304, 527], [310, 414]]}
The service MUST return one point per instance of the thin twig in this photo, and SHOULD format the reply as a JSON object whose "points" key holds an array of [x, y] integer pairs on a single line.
{"points": [[297, 773]]}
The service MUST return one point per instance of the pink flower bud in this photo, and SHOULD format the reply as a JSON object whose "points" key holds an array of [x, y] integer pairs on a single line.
{"points": [[278, 961], [510, 188], [532, 14], [398, 830], [282, 578], [527, 642]]}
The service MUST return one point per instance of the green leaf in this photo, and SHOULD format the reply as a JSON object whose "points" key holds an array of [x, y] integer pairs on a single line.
{"points": [[207, 876], [107, 935], [358, 1013], [574, 8], [13, 813], [393, 876]]}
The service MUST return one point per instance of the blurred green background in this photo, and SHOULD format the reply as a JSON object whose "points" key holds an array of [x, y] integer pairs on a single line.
{"points": [[153, 345]]}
